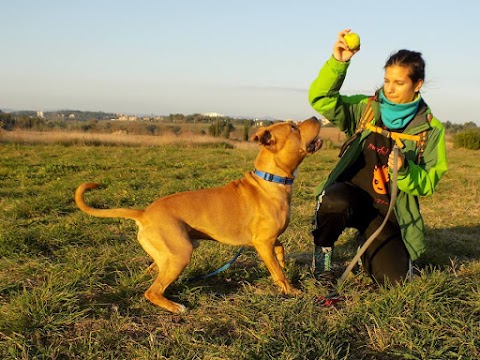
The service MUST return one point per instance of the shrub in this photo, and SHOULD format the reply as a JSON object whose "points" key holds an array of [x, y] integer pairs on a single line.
{"points": [[247, 124], [221, 127], [469, 139]]}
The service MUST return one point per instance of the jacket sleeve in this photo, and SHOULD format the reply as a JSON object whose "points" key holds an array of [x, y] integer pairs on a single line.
{"points": [[421, 180], [324, 96]]}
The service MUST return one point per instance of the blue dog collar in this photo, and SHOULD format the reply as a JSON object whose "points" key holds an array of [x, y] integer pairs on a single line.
{"points": [[273, 178]]}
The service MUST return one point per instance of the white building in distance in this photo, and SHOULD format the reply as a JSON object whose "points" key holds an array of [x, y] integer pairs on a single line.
{"points": [[213, 114]]}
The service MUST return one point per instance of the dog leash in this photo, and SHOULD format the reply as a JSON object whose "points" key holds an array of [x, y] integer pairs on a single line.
{"points": [[334, 297], [220, 269]]}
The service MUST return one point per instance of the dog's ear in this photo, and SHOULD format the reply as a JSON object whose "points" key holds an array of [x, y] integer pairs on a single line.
{"points": [[264, 137]]}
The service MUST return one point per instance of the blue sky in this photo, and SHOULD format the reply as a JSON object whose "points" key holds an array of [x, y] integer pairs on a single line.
{"points": [[244, 58]]}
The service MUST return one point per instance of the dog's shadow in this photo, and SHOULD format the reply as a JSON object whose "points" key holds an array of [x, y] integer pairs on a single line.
{"points": [[123, 288], [205, 279]]}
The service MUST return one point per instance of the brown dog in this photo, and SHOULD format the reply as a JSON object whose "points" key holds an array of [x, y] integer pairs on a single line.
{"points": [[253, 210]]}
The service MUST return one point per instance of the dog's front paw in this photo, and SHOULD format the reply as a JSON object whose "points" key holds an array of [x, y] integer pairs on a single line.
{"points": [[290, 290], [294, 292]]}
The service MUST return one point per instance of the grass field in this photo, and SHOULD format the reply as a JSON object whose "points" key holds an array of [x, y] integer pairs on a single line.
{"points": [[71, 286]]}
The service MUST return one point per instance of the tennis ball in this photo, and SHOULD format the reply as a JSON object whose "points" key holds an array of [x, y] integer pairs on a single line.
{"points": [[353, 40]]}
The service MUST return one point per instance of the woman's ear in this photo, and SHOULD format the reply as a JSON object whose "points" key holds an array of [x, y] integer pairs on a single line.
{"points": [[418, 85]]}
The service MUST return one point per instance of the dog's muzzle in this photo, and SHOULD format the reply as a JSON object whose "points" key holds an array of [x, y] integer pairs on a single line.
{"points": [[315, 145]]}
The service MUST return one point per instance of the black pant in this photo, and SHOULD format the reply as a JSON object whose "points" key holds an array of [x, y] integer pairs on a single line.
{"points": [[345, 205]]}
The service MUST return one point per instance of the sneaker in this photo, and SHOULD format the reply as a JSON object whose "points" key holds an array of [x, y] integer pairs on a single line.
{"points": [[322, 262]]}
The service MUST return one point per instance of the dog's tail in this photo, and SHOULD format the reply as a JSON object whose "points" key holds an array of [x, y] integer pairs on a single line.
{"points": [[106, 213]]}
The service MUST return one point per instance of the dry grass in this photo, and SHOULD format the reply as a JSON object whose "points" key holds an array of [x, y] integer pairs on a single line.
{"points": [[331, 136], [80, 138]]}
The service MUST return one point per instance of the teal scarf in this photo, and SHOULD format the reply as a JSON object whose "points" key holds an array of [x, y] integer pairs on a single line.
{"points": [[397, 116]]}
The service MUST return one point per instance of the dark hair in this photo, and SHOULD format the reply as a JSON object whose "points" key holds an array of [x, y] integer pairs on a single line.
{"points": [[409, 59]]}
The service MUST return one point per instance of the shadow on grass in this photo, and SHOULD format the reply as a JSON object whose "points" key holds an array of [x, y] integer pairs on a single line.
{"points": [[449, 246], [123, 290], [457, 244]]}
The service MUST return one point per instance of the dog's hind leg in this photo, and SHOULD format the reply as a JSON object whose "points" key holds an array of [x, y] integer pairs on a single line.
{"points": [[157, 289], [279, 253], [170, 262], [153, 267]]}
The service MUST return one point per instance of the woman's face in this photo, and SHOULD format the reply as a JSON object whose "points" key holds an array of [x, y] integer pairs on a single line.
{"points": [[397, 85]]}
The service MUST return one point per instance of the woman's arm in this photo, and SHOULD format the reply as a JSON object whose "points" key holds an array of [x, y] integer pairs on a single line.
{"points": [[421, 180], [324, 94]]}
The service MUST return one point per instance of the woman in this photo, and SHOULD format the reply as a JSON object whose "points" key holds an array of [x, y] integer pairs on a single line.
{"points": [[356, 193]]}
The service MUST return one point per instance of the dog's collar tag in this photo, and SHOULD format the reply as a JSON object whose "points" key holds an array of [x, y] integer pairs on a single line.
{"points": [[273, 178]]}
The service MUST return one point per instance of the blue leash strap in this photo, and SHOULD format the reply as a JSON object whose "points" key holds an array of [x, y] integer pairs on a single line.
{"points": [[220, 269]]}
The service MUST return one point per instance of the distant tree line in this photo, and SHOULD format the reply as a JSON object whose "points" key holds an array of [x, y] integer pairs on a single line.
{"points": [[67, 115], [99, 122], [20, 119], [464, 135], [29, 120]]}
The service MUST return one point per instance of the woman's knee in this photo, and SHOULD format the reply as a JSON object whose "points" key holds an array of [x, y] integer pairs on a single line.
{"points": [[337, 198], [387, 262]]}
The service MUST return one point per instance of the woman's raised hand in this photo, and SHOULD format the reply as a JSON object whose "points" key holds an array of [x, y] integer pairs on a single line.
{"points": [[341, 51]]}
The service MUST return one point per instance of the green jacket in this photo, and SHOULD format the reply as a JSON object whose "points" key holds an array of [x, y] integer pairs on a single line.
{"points": [[415, 179]]}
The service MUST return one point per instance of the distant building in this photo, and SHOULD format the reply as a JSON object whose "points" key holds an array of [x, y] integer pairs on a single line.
{"points": [[122, 117], [213, 114], [40, 114]]}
